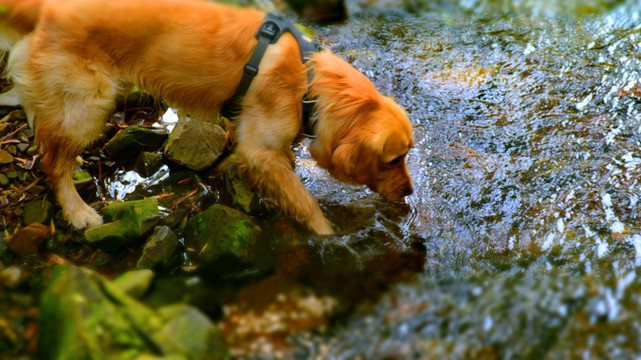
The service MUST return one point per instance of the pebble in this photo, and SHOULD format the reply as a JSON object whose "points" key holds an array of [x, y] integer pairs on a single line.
{"points": [[5, 157], [11, 276], [27, 240]]}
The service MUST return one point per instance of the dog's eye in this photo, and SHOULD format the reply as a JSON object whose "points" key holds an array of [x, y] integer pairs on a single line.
{"points": [[396, 160]]}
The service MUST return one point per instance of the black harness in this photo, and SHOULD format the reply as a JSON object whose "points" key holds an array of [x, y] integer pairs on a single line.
{"points": [[270, 31]]}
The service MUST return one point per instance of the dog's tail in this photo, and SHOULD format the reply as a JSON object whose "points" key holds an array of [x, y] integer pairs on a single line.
{"points": [[17, 19]]}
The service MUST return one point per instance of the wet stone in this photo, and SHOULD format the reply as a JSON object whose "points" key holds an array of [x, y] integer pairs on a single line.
{"points": [[148, 163], [243, 196], [22, 147], [176, 219], [128, 143], [159, 249], [135, 283], [224, 240], [125, 223], [32, 150], [23, 136], [85, 184], [38, 211], [195, 143], [27, 240]]}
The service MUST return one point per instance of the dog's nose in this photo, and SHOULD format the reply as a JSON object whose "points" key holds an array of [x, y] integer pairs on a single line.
{"points": [[409, 190]]}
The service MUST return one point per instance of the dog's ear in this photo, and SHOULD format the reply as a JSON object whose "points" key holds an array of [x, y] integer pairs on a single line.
{"points": [[354, 163]]}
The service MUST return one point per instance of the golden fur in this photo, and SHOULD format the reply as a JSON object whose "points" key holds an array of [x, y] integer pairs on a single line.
{"points": [[70, 58]]}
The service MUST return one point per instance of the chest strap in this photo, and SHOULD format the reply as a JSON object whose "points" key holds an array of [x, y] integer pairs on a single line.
{"points": [[270, 31]]}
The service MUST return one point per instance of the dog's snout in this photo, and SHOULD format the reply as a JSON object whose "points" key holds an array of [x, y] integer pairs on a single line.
{"points": [[409, 190]]}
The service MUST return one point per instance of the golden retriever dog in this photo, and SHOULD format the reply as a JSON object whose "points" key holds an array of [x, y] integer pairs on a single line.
{"points": [[69, 59]]}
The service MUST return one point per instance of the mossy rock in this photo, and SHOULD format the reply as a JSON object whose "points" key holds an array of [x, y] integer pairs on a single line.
{"points": [[84, 316], [135, 283], [38, 211], [125, 223], [224, 240]]}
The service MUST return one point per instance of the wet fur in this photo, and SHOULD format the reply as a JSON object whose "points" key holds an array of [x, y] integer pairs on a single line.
{"points": [[70, 58]]}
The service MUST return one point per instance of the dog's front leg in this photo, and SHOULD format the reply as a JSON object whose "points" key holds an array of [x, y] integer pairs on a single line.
{"points": [[271, 172], [59, 160]]}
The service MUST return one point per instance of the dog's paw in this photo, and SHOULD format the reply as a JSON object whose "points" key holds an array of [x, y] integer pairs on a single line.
{"points": [[321, 226], [84, 218]]}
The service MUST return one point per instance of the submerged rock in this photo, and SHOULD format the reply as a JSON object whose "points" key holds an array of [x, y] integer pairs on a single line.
{"points": [[27, 240], [195, 143], [148, 163], [125, 222], [159, 249], [224, 240], [265, 315], [133, 140], [83, 315]]}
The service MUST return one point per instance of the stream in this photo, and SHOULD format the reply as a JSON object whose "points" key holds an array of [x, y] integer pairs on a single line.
{"points": [[527, 169]]}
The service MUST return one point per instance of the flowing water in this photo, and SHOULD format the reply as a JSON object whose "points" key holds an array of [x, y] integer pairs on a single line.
{"points": [[527, 169]]}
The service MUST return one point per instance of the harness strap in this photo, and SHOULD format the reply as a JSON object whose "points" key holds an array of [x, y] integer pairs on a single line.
{"points": [[270, 31]]}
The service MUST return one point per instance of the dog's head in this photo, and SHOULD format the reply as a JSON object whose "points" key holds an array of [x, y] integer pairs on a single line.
{"points": [[363, 136]]}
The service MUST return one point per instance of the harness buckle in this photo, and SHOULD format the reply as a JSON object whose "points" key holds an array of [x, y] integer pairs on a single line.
{"points": [[251, 70], [269, 30]]}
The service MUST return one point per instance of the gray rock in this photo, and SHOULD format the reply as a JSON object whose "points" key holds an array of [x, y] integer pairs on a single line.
{"points": [[159, 249], [128, 143], [195, 143]]}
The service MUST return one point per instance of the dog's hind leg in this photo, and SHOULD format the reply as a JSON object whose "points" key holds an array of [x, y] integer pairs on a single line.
{"points": [[68, 100]]}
